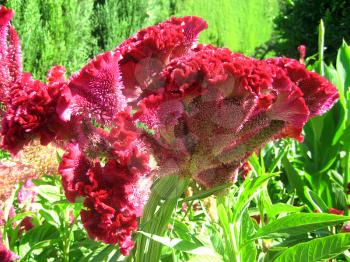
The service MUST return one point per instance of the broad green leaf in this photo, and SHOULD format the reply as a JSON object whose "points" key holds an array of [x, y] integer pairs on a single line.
{"points": [[324, 190], [331, 74], [168, 187], [295, 224], [255, 164], [40, 233], [317, 249], [50, 193], [50, 216], [339, 196], [215, 236], [273, 253], [115, 257], [156, 216]]}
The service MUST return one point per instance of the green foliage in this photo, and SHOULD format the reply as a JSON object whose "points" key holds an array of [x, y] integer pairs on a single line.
{"points": [[4, 154], [317, 249], [68, 32], [319, 168], [55, 236], [297, 224], [298, 21], [53, 32], [267, 217], [157, 215], [241, 26], [115, 21]]}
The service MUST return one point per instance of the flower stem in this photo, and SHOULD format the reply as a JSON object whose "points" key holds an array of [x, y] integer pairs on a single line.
{"points": [[347, 179], [157, 214]]}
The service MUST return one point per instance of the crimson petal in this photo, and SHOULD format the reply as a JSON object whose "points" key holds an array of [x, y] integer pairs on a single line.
{"points": [[96, 88]]}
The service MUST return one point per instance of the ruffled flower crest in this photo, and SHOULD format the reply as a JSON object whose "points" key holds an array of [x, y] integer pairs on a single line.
{"points": [[159, 104]]}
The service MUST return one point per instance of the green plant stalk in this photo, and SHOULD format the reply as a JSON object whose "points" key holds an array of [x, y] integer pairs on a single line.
{"points": [[235, 232], [231, 226], [68, 229], [321, 32], [157, 214], [347, 179]]}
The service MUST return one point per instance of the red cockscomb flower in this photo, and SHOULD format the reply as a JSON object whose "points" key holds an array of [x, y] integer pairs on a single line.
{"points": [[199, 110], [97, 88], [230, 104], [115, 193], [7, 255], [31, 104]]}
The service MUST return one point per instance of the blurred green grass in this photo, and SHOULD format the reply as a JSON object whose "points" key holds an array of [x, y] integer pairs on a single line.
{"points": [[69, 32], [241, 26]]}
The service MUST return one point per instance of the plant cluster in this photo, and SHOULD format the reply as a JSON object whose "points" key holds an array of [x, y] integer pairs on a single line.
{"points": [[297, 22], [158, 105]]}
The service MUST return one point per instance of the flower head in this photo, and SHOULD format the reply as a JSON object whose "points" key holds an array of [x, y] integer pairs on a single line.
{"points": [[159, 104], [215, 108], [5, 254], [97, 88], [114, 194]]}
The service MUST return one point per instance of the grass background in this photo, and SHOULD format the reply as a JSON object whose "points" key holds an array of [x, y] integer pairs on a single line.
{"points": [[69, 32]]}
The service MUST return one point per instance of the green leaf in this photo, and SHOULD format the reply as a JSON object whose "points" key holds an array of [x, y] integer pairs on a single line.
{"points": [[278, 159], [49, 193], [248, 190], [225, 218], [20, 217], [103, 254], [50, 216], [343, 65], [181, 245], [157, 213], [279, 208], [40, 245], [294, 179], [204, 258], [315, 200], [247, 252], [206, 193], [321, 32], [317, 249], [295, 224], [331, 74]]}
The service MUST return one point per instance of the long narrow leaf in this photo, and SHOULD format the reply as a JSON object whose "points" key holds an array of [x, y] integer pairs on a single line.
{"points": [[295, 224]]}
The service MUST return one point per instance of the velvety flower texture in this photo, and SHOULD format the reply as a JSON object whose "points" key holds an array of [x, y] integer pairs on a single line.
{"points": [[7, 255], [114, 193], [31, 104], [214, 108], [159, 104]]}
